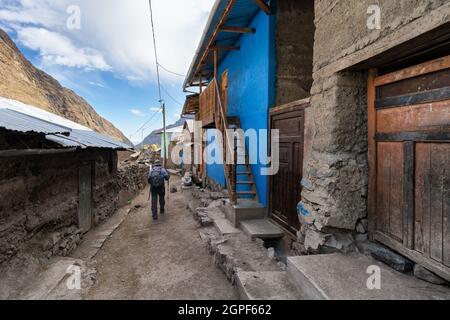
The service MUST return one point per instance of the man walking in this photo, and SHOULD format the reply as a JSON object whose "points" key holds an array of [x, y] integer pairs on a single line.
{"points": [[156, 178]]}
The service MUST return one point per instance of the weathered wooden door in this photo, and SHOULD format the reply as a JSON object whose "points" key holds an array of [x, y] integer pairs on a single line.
{"points": [[285, 188], [85, 197], [409, 159]]}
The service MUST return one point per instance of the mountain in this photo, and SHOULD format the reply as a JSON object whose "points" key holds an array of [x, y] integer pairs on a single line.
{"points": [[155, 136], [20, 80]]}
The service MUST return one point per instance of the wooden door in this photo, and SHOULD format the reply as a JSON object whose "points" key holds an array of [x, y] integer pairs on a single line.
{"points": [[409, 162], [285, 187], [85, 198]]}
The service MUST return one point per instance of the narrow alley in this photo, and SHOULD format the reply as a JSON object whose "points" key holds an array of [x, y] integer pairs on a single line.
{"points": [[158, 260]]}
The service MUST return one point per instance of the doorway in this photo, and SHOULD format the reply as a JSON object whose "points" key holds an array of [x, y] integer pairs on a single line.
{"points": [[285, 188], [409, 162]]}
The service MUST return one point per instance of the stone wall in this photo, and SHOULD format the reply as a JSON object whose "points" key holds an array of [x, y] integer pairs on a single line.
{"points": [[39, 198], [294, 49], [336, 168]]}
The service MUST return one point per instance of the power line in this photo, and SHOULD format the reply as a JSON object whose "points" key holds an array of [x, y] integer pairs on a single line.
{"points": [[159, 84], [171, 97], [151, 118], [167, 70], [156, 51]]}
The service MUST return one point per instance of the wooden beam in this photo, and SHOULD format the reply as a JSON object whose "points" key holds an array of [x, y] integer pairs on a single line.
{"points": [[372, 143], [263, 5], [215, 33], [237, 29], [231, 48]]}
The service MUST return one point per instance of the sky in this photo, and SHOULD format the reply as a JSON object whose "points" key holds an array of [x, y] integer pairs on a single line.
{"points": [[103, 50]]}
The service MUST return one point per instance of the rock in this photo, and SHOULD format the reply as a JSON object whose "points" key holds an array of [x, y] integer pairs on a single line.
{"points": [[360, 228], [383, 254], [314, 240], [342, 242], [428, 276], [173, 189]]}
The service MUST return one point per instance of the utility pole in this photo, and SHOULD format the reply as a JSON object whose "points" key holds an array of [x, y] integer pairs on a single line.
{"points": [[166, 149]]}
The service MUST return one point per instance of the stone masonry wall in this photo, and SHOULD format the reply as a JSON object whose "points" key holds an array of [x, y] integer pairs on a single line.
{"points": [[294, 49], [336, 169], [39, 198]]}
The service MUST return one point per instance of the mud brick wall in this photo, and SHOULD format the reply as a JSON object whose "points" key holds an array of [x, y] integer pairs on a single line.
{"points": [[294, 49], [39, 194], [336, 168]]}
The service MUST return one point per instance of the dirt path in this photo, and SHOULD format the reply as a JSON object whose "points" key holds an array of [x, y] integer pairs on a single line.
{"points": [[158, 260]]}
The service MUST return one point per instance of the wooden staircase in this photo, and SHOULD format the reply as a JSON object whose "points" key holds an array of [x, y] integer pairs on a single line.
{"points": [[238, 172]]}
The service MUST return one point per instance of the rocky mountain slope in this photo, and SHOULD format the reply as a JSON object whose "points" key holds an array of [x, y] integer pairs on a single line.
{"points": [[20, 80]]}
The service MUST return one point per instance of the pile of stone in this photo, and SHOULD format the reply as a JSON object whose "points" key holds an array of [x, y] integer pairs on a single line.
{"points": [[63, 242]]}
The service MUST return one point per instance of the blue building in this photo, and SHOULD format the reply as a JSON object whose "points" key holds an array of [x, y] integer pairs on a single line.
{"points": [[253, 71]]}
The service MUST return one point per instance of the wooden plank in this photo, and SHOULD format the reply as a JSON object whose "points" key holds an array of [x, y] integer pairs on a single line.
{"points": [[414, 118], [232, 29], [432, 265], [446, 207], [423, 83], [414, 98], [437, 172], [408, 195], [372, 145], [418, 136], [382, 190], [422, 199], [396, 196], [264, 6], [421, 69], [229, 48]]}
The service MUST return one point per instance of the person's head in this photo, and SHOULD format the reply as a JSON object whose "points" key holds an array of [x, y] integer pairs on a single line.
{"points": [[157, 163]]}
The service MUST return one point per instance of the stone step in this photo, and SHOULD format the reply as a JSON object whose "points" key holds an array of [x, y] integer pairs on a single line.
{"points": [[265, 285], [225, 227], [262, 229], [345, 277], [244, 210]]}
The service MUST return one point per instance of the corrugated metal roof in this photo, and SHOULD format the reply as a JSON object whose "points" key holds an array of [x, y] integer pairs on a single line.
{"points": [[16, 121], [16, 116], [241, 15]]}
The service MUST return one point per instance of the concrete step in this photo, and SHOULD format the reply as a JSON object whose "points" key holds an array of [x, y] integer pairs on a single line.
{"points": [[225, 227], [262, 229], [244, 210], [345, 277], [265, 285]]}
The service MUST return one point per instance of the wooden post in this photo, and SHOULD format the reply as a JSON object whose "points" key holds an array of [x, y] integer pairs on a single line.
{"points": [[372, 145]]}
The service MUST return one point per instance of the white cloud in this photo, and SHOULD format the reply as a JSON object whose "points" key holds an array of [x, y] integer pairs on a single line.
{"points": [[55, 48], [137, 112], [97, 84], [114, 34], [156, 109]]}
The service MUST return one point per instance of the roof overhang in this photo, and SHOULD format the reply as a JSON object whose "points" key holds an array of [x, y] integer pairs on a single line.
{"points": [[228, 20]]}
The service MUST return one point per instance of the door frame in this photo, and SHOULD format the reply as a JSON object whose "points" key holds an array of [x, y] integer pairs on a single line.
{"points": [[407, 247], [300, 105]]}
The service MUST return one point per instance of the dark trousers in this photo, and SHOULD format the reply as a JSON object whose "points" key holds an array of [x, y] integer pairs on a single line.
{"points": [[161, 193]]}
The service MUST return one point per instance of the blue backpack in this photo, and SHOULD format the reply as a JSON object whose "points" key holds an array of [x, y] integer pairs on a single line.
{"points": [[155, 178]]}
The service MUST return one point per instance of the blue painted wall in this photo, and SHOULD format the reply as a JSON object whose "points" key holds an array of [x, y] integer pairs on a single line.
{"points": [[251, 88]]}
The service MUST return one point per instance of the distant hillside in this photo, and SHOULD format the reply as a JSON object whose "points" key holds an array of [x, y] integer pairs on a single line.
{"points": [[20, 80], [155, 137]]}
